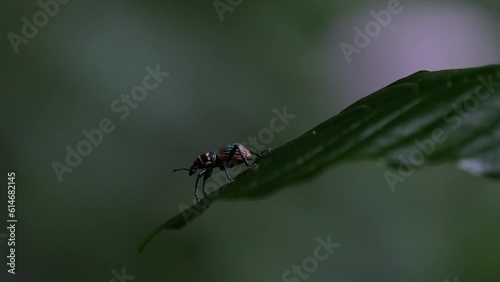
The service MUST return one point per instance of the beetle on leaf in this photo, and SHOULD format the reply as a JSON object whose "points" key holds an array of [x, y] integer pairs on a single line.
{"points": [[227, 156]]}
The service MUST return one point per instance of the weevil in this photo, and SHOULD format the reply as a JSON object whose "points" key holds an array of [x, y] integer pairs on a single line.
{"points": [[227, 156]]}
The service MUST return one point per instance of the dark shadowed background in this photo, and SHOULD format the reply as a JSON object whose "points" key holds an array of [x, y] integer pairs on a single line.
{"points": [[232, 66]]}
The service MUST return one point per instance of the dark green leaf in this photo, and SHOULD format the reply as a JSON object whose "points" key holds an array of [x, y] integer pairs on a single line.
{"points": [[426, 118]]}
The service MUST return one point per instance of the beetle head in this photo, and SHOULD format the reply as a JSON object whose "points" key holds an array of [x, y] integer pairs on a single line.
{"points": [[194, 167]]}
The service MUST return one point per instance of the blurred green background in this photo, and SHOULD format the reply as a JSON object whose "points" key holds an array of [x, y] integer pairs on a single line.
{"points": [[226, 77]]}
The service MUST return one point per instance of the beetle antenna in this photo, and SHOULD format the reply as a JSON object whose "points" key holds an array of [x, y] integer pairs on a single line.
{"points": [[182, 168]]}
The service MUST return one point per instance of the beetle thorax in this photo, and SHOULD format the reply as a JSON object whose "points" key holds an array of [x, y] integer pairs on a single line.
{"points": [[208, 159]]}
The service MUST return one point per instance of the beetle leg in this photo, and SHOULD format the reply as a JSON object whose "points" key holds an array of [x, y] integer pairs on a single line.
{"points": [[196, 185], [205, 177], [229, 179], [231, 154], [233, 151], [203, 190], [254, 153], [264, 153], [242, 156]]}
